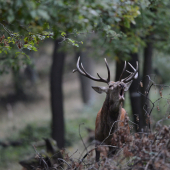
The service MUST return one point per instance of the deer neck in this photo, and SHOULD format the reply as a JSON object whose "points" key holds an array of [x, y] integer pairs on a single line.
{"points": [[111, 110]]}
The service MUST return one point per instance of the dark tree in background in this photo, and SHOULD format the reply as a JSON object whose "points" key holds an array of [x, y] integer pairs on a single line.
{"points": [[85, 83], [119, 68], [57, 95], [135, 97], [18, 85], [147, 70]]}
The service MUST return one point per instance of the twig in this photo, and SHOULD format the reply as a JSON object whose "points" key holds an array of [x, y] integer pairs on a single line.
{"points": [[40, 157], [81, 137], [64, 162], [110, 132]]}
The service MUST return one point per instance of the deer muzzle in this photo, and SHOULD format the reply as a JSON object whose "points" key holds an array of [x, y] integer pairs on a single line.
{"points": [[121, 92]]}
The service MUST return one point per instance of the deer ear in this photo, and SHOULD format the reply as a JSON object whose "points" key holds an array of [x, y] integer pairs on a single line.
{"points": [[128, 85], [100, 89]]}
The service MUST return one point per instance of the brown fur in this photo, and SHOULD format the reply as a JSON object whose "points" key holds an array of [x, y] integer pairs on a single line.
{"points": [[110, 117], [104, 123]]}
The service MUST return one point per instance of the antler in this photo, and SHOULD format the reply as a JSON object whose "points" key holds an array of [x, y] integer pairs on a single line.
{"points": [[84, 72], [133, 75], [123, 71]]}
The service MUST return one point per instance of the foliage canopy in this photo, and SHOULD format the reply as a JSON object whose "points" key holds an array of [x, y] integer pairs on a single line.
{"points": [[126, 25], [23, 24]]}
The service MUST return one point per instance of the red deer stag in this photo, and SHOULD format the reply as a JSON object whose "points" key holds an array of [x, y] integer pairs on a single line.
{"points": [[111, 115]]}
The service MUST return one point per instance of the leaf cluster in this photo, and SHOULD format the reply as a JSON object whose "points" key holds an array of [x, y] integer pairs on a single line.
{"points": [[26, 23]]}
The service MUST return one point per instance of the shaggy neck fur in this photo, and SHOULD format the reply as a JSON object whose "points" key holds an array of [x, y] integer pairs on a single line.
{"points": [[110, 113]]}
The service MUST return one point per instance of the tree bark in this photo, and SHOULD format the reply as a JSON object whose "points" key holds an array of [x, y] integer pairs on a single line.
{"points": [[30, 72], [85, 83], [18, 85], [119, 69], [56, 91], [134, 95], [147, 70]]}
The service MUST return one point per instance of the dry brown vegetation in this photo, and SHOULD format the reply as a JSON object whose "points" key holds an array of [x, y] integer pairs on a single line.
{"points": [[135, 151]]}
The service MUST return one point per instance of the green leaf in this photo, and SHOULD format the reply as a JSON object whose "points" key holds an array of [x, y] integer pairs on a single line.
{"points": [[76, 45], [63, 34], [46, 25], [43, 14]]}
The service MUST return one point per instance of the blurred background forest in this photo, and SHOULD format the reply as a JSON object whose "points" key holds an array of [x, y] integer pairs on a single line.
{"points": [[40, 42]]}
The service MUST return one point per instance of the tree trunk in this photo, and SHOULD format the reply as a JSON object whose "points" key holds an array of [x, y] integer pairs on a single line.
{"points": [[86, 83], [30, 72], [57, 95], [18, 85], [147, 70], [134, 95], [119, 68]]}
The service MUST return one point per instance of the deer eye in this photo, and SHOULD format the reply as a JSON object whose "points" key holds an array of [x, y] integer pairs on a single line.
{"points": [[110, 86]]}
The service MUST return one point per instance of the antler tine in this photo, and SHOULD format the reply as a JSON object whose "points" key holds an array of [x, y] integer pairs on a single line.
{"points": [[123, 71], [86, 74], [136, 76], [132, 66], [104, 80], [127, 77], [108, 70], [128, 71], [78, 68], [132, 75], [93, 78]]}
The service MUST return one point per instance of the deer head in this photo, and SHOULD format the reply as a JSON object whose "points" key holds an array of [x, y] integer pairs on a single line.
{"points": [[115, 90]]}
